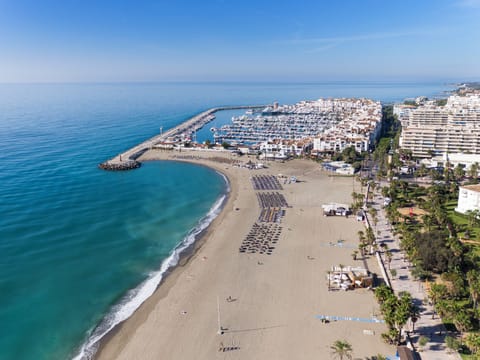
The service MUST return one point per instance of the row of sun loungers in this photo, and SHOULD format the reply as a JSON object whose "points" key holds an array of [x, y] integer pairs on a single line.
{"points": [[266, 182], [270, 215], [223, 160], [218, 159], [261, 239], [274, 199]]}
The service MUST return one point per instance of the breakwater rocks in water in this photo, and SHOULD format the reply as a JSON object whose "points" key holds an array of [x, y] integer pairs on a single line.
{"points": [[120, 166]]}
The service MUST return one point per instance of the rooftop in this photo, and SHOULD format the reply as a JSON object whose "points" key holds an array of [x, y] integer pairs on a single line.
{"points": [[475, 187]]}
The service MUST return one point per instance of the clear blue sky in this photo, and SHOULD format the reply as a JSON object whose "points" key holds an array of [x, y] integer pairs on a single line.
{"points": [[216, 40]]}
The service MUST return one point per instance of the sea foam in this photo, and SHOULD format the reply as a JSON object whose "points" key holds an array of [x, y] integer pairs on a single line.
{"points": [[136, 297]]}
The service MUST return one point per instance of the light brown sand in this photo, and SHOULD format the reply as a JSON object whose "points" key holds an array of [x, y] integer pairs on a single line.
{"points": [[273, 316], [415, 210]]}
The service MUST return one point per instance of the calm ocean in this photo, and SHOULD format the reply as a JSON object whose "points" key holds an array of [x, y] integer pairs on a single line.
{"points": [[81, 248]]}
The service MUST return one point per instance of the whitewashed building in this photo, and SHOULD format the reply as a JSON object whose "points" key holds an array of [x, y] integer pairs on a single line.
{"points": [[282, 149], [465, 160], [468, 198]]}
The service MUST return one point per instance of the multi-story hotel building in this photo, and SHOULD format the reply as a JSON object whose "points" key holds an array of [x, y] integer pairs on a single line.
{"points": [[437, 130]]}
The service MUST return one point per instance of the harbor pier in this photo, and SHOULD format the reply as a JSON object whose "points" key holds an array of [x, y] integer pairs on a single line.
{"points": [[128, 159]]}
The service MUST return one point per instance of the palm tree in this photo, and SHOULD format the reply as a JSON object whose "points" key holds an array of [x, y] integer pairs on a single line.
{"points": [[354, 254], [362, 247], [422, 341], [361, 236], [341, 349], [473, 279], [473, 342], [389, 257], [452, 343], [462, 320], [382, 293], [403, 312], [473, 171], [437, 292], [370, 237], [414, 316], [458, 172]]}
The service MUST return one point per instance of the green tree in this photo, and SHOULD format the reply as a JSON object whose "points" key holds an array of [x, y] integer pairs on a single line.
{"points": [[462, 320], [452, 343], [459, 172], [473, 278], [422, 170], [382, 293], [454, 281], [370, 236], [403, 312], [396, 312], [441, 102], [414, 315], [361, 247], [433, 253], [361, 236], [389, 256], [473, 342], [422, 341], [437, 292], [473, 217], [473, 171], [393, 272], [341, 349]]}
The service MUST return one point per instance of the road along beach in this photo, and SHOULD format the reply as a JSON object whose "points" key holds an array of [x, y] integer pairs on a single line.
{"points": [[224, 303]]}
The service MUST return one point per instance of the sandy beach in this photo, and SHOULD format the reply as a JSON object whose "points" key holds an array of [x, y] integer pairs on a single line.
{"points": [[268, 302]]}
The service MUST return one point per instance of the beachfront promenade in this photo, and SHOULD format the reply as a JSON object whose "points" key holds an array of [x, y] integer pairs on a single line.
{"points": [[128, 159], [431, 328]]}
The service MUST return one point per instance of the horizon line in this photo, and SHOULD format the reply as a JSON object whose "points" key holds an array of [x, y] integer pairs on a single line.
{"points": [[115, 82]]}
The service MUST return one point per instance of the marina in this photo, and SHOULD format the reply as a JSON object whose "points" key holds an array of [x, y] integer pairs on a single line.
{"points": [[128, 159], [278, 131], [354, 118]]}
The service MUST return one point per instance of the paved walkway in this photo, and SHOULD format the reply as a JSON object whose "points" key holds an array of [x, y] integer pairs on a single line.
{"points": [[433, 329]]}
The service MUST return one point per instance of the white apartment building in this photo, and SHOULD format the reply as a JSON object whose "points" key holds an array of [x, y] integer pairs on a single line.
{"points": [[403, 112], [437, 130], [360, 127], [361, 136], [282, 149], [455, 159], [468, 198]]}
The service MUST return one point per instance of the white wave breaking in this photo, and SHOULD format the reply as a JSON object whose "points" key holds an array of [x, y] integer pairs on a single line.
{"points": [[136, 297]]}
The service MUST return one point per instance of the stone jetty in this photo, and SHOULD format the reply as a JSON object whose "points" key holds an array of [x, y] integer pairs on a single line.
{"points": [[128, 159], [119, 166]]}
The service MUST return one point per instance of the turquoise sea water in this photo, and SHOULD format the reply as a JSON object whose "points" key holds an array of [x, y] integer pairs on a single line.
{"points": [[80, 248]]}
